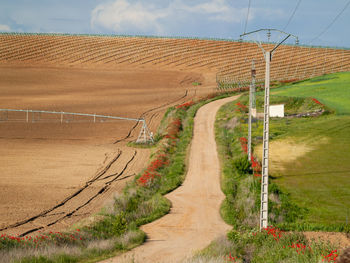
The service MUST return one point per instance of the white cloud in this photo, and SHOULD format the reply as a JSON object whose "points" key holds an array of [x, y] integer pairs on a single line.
{"points": [[5, 28], [218, 10], [121, 15], [126, 16]]}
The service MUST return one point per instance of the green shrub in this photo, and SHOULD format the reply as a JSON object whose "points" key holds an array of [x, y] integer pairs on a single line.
{"points": [[120, 224], [242, 165]]}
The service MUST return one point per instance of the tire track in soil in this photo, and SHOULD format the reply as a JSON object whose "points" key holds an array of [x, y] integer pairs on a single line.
{"points": [[64, 201], [104, 189], [88, 183], [95, 178]]}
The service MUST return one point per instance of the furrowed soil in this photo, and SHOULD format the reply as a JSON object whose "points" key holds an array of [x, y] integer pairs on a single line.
{"points": [[54, 174]]}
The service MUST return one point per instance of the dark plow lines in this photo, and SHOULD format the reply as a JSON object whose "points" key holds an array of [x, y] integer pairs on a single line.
{"points": [[92, 189], [96, 186]]}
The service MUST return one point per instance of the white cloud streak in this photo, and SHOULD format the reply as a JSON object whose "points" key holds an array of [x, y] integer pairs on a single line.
{"points": [[5, 28], [125, 16], [121, 15]]}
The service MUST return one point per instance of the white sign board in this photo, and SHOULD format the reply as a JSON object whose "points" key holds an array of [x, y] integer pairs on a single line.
{"points": [[277, 110]]}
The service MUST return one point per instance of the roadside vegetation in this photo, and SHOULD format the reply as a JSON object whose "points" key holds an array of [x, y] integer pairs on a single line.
{"points": [[309, 191], [116, 229]]}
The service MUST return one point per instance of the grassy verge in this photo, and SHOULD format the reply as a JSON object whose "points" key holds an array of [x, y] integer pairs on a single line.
{"points": [[309, 155], [142, 201], [310, 192]]}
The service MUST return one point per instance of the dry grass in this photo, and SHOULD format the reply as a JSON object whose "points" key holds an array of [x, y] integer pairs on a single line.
{"points": [[104, 244], [205, 259], [218, 251], [13, 255], [246, 200]]}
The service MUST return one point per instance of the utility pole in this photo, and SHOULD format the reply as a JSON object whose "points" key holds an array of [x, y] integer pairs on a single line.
{"points": [[251, 102], [265, 159]]}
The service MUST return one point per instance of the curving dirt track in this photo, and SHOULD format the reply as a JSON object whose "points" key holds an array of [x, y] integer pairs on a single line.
{"points": [[194, 220], [54, 175]]}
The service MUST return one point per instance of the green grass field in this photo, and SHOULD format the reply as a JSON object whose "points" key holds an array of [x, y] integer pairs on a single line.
{"points": [[332, 90], [320, 179]]}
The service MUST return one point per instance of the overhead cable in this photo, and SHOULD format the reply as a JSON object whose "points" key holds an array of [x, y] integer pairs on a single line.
{"points": [[333, 21], [291, 17], [246, 21]]}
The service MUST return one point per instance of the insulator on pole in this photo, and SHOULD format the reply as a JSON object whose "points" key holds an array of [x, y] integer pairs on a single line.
{"points": [[268, 35]]}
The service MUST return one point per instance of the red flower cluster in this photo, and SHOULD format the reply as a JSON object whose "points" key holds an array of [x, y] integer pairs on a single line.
{"points": [[331, 257], [152, 170], [241, 107], [299, 247], [256, 166], [274, 231], [173, 129], [316, 101], [244, 144], [185, 106], [34, 241], [230, 258]]}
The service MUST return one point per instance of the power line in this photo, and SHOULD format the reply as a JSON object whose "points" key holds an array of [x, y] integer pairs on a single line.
{"points": [[291, 17], [335, 19], [246, 21]]}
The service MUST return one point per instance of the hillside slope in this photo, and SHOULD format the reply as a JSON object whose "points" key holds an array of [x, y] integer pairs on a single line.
{"points": [[230, 59]]}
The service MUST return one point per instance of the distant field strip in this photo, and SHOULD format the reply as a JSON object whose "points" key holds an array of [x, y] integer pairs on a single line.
{"points": [[231, 60]]}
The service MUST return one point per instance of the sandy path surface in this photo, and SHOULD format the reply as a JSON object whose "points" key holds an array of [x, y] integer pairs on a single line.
{"points": [[194, 220]]}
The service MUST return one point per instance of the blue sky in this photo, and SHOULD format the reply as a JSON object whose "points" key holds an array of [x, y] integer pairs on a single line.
{"points": [[190, 18]]}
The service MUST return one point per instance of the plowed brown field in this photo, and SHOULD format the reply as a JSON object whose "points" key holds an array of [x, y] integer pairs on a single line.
{"points": [[52, 174]]}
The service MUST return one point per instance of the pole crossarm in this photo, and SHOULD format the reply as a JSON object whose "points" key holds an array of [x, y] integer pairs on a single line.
{"points": [[269, 30]]}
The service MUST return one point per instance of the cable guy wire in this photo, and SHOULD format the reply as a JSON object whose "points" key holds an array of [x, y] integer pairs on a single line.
{"points": [[291, 17], [333, 21], [246, 21]]}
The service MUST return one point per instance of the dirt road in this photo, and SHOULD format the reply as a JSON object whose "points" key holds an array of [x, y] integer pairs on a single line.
{"points": [[194, 220]]}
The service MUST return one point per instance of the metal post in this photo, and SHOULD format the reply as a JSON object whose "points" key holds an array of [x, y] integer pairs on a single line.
{"points": [[251, 91], [250, 124], [62, 117], [95, 118], [27, 116], [265, 159]]}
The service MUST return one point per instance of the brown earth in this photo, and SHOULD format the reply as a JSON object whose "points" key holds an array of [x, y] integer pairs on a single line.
{"points": [[341, 240], [52, 174], [194, 220]]}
